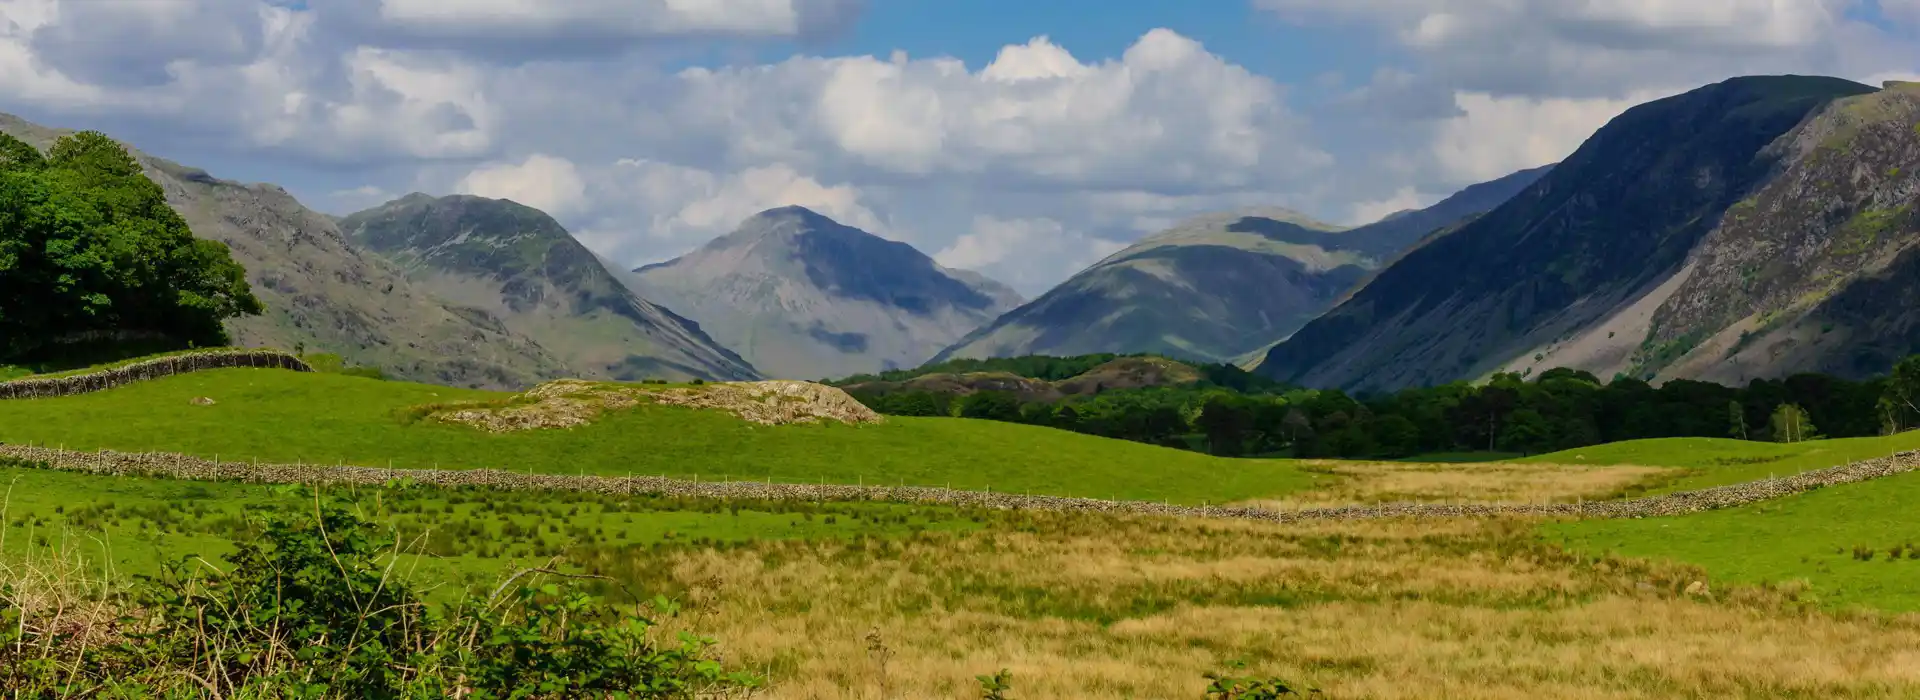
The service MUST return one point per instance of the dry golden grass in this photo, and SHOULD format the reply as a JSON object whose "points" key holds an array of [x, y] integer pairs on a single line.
{"points": [[1093, 607], [1384, 482]]}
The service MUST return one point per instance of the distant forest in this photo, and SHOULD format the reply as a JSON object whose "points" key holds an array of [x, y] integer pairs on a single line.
{"points": [[1556, 410]]}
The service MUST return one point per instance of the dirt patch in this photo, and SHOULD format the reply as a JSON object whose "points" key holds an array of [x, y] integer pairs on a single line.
{"points": [[571, 402], [1396, 482]]}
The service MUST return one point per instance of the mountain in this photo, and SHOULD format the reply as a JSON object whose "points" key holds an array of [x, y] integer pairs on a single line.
{"points": [[323, 293], [802, 296], [1219, 286], [1680, 222], [522, 267]]}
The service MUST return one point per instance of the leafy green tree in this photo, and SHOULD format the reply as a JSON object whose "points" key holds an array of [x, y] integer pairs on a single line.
{"points": [[1396, 436], [991, 405], [1790, 424], [89, 245], [1226, 422]]}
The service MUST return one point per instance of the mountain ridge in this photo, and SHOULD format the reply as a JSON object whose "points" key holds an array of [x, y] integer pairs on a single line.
{"points": [[524, 267], [1592, 247], [1215, 287], [803, 296]]}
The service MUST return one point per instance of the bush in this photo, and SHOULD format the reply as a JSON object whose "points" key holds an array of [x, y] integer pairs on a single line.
{"points": [[310, 609]]}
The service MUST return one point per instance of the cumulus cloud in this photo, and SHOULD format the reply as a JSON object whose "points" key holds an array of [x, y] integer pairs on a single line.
{"points": [[1024, 253], [614, 18], [1165, 114], [550, 184], [1495, 136]]}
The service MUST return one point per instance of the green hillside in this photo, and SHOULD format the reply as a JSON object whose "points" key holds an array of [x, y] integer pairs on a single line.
{"points": [[1852, 545], [1720, 461], [327, 418]]}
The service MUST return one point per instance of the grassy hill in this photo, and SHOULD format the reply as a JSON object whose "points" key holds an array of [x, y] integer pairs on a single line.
{"points": [[1720, 461], [1849, 546], [327, 418]]}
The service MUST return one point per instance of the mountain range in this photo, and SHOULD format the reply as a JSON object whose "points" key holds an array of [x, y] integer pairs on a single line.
{"points": [[1751, 228], [520, 266], [1217, 287], [802, 296]]}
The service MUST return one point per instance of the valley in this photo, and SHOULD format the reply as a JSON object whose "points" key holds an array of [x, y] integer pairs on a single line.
{"points": [[1639, 422]]}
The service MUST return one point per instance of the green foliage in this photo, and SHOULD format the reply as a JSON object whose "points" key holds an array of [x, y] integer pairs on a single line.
{"points": [[1561, 408], [1224, 686], [1790, 424], [312, 608], [995, 687], [990, 405], [89, 247]]}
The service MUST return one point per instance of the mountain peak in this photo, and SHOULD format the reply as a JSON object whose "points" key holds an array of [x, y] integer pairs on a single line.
{"points": [[801, 295]]}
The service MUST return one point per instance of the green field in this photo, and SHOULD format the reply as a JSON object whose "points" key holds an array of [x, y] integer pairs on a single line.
{"points": [[273, 415], [1720, 461], [464, 536], [1811, 536]]}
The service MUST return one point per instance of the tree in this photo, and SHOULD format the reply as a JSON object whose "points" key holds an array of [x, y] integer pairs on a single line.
{"points": [[88, 245], [1903, 392], [1225, 423], [1396, 436], [1790, 424], [1736, 420], [991, 405]]}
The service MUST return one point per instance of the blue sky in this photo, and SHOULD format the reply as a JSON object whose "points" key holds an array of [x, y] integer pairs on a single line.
{"points": [[650, 126]]}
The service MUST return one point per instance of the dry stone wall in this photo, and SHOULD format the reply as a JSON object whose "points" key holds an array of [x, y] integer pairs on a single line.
{"points": [[48, 387], [188, 467]]}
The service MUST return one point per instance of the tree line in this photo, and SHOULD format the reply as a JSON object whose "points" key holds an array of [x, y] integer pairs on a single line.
{"points": [[91, 254], [1555, 410]]}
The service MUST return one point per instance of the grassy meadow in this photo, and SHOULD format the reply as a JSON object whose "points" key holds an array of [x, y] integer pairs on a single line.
{"points": [[273, 415], [1802, 597]]}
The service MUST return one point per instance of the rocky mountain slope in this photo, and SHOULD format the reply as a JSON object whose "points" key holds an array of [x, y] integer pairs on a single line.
{"points": [[1219, 286], [323, 293], [803, 297], [1618, 260], [522, 267]]}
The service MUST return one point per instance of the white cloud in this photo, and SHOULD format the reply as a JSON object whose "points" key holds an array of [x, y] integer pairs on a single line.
{"points": [[1025, 253], [626, 18], [1402, 199], [1495, 136], [652, 210], [540, 181], [1165, 113]]}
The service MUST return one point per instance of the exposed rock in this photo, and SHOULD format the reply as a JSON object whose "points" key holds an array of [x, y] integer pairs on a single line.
{"points": [[570, 403]]}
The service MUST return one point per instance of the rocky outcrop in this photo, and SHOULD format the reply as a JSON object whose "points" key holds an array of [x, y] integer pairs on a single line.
{"points": [[189, 467], [49, 387]]}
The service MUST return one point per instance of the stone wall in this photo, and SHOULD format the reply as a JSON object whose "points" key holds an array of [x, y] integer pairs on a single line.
{"points": [[188, 467], [47, 387]]}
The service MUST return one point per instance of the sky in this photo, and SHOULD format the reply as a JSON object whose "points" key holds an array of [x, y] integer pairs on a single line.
{"points": [[1023, 139]]}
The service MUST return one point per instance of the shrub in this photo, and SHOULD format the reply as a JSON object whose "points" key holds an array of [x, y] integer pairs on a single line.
{"points": [[310, 609]]}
